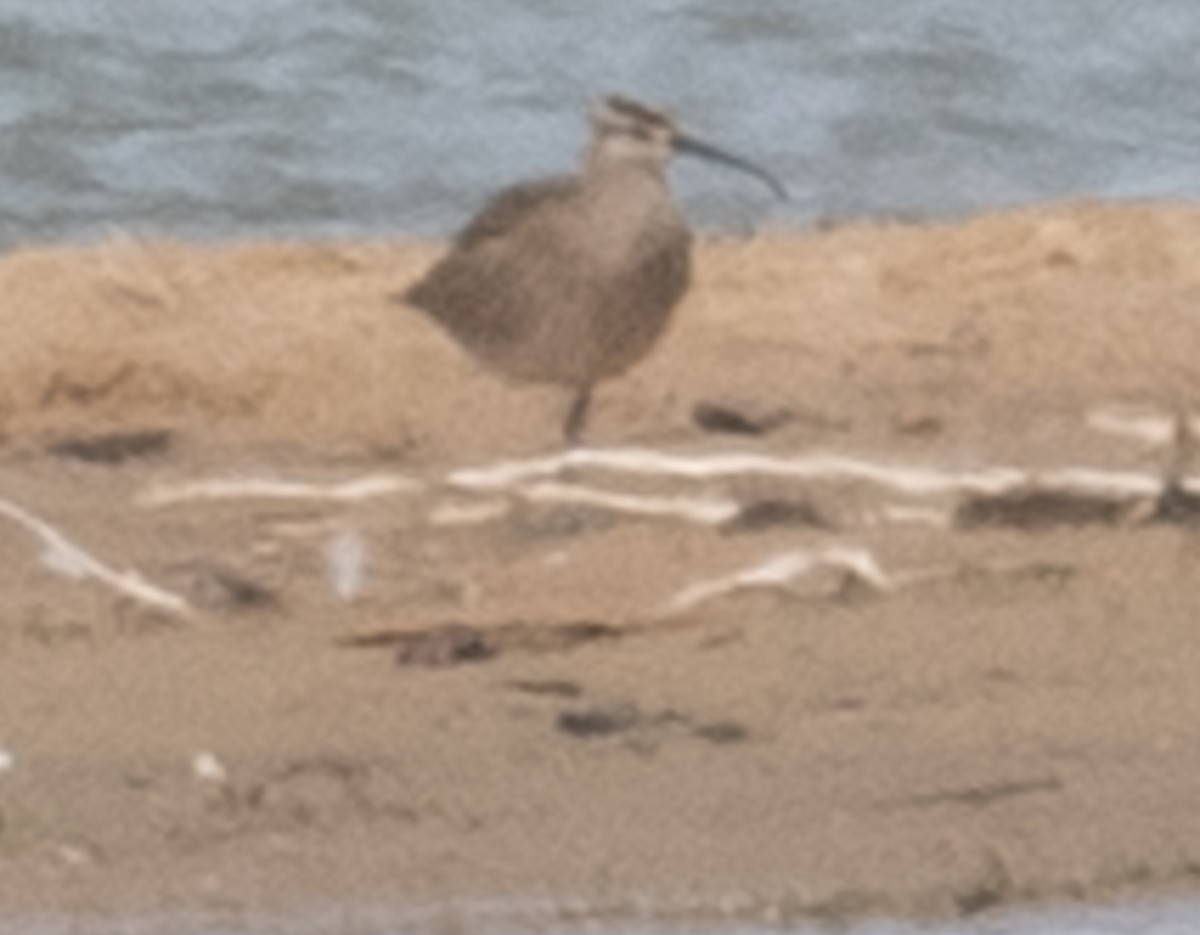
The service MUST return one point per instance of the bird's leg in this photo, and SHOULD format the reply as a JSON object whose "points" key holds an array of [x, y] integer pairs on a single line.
{"points": [[577, 416]]}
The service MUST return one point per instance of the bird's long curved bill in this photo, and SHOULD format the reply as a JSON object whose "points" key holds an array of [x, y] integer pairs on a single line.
{"points": [[687, 145]]}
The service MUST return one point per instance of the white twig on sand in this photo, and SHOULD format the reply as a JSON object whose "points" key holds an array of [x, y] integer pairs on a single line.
{"points": [[1150, 428], [707, 511], [469, 514], [783, 570], [1095, 482], [61, 555], [897, 514], [252, 488], [911, 481], [510, 474]]}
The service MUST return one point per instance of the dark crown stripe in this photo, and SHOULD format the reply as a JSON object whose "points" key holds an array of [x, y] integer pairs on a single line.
{"points": [[630, 108]]}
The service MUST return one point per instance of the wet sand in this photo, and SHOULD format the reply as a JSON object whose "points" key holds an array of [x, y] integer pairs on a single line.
{"points": [[857, 647]]}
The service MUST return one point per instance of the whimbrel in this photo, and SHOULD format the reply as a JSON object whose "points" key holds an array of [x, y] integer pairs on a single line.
{"points": [[572, 280]]}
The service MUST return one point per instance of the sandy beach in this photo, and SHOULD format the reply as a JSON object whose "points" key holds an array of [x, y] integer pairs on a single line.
{"points": [[873, 592]]}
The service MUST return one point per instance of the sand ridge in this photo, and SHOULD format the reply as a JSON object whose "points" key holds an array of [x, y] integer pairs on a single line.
{"points": [[302, 340]]}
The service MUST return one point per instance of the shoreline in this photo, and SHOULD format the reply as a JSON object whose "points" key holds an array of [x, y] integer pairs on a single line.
{"points": [[567, 915]]}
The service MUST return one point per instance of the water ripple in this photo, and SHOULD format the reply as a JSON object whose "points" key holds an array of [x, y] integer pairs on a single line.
{"points": [[218, 119]]}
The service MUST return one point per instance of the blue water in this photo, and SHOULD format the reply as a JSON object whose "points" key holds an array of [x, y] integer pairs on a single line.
{"points": [[1147, 918], [218, 118]]}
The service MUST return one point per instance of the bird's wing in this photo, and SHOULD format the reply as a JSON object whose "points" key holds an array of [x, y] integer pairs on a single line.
{"points": [[511, 207], [471, 291]]}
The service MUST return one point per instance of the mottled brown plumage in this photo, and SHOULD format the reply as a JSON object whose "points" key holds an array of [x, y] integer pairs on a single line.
{"points": [[573, 280]]}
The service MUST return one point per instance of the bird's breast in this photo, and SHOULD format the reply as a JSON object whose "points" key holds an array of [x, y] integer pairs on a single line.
{"points": [[622, 215]]}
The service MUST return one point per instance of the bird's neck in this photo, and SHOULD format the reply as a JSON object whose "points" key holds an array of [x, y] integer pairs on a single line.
{"points": [[626, 192], [601, 168]]}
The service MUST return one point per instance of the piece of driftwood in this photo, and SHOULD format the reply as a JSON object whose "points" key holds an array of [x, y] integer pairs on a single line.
{"points": [[62, 555]]}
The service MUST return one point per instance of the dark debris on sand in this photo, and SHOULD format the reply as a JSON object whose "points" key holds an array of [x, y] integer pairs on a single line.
{"points": [[454, 643]]}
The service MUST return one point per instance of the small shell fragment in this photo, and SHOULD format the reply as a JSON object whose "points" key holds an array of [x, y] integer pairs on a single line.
{"points": [[207, 767]]}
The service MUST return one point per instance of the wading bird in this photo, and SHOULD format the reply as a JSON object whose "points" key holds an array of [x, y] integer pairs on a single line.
{"points": [[572, 280]]}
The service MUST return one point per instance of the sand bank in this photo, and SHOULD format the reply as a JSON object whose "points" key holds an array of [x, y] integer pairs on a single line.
{"points": [[867, 599]]}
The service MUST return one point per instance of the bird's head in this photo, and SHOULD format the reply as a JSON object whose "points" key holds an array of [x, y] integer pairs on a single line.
{"points": [[625, 130]]}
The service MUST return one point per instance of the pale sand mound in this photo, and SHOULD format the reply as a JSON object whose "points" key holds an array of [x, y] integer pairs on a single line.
{"points": [[300, 342], [875, 622]]}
